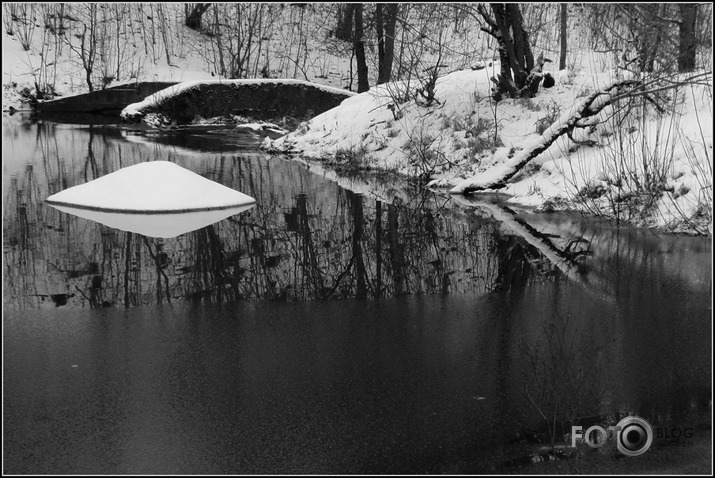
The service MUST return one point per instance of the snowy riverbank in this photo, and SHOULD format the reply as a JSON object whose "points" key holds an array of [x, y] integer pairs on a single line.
{"points": [[602, 169]]}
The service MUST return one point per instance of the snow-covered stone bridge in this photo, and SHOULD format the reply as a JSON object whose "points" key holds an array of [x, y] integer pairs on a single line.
{"points": [[258, 99]]}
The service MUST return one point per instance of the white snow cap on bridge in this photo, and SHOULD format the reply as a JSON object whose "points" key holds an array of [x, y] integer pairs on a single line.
{"points": [[174, 90]]}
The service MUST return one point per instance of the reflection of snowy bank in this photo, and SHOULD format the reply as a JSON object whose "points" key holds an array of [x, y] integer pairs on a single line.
{"points": [[688, 259], [197, 143], [594, 253], [382, 186]]}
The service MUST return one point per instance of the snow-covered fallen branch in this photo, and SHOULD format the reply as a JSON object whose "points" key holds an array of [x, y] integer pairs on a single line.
{"points": [[591, 106]]}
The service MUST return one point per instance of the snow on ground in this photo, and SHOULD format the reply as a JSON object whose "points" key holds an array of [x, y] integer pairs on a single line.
{"points": [[456, 139]]}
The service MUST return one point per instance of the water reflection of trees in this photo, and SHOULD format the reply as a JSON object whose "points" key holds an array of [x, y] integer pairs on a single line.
{"points": [[307, 239], [360, 248]]}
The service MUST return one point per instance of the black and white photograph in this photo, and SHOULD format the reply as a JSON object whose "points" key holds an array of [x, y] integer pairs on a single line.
{"points": [[357, 238]]}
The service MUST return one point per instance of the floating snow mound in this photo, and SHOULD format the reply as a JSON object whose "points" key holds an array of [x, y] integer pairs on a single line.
{"points": [[151, 188], [164, 225]]}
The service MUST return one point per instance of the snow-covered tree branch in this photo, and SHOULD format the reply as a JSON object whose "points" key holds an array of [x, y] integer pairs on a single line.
{"points": [[590, 107]]}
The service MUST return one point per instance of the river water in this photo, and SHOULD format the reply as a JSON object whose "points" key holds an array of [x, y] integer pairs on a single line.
{"points": [[346, 324]]}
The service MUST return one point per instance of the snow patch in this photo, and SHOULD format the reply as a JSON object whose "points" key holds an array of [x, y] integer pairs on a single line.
{"points": [[153, 187]]}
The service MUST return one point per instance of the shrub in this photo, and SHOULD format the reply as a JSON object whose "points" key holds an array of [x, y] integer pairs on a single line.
{"points": [[480, 144], [529, 104], [592, 191], [479, 128], [351, 158], [481, 135], [552, 114]]}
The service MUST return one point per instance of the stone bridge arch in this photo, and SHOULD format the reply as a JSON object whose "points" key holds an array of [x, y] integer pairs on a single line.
{"points": [[258, 99], [261, 99]]}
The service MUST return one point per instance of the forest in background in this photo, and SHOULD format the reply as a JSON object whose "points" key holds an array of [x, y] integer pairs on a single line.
{"points": [[354, 45]]}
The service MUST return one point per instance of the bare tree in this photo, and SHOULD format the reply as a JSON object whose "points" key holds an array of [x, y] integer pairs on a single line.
{"points": [[87, 48], [520, 75], [24, 16], [650, 38], [235, 43], [344, 26], [385, 22], [563, 34], [687, 39], [359, 46], [194, 13]]}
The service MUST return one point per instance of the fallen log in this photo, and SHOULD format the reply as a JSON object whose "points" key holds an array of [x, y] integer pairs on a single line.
{"points": [[591, 106]]}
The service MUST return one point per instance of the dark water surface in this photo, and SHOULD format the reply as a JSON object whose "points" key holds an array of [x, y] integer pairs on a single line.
{"points": [[325, 330]]}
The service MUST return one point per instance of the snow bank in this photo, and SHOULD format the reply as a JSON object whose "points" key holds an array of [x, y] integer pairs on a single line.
{"points": [[466, 141], [380, 125]]}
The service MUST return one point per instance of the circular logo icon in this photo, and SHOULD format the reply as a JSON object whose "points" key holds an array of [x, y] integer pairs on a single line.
{"points": [[634, 437]]}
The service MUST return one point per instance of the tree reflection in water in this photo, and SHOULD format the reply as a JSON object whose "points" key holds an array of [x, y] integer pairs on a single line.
{"points": [[551, 302], [307, 239]]}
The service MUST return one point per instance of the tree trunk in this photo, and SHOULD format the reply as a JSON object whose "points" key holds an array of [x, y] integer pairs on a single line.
{"points": [[193, 19], [687, 41], [344, 27], [645, 22], [516, 58], [88, 51], [658, 39], [380, 41], [359, 46], [522, 50], [506, 50], [563, 35], [385, 21]]}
